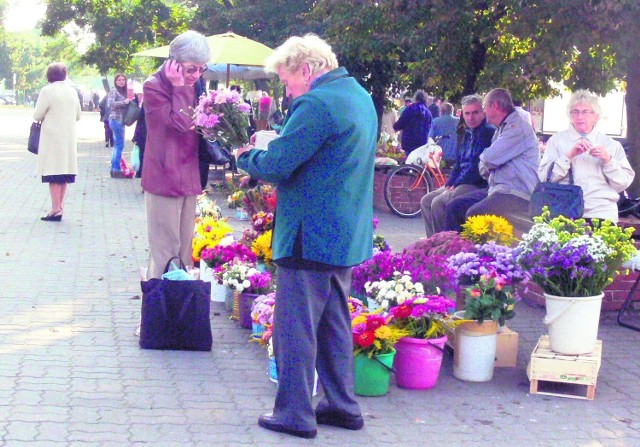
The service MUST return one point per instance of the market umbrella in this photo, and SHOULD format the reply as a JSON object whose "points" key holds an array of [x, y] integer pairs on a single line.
{"points": [[227, 48], [218, 72]]}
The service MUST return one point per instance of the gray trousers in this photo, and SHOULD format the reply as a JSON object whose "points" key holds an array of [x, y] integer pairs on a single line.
{"points": [[312, 330], [170, 224], [433, 206]]}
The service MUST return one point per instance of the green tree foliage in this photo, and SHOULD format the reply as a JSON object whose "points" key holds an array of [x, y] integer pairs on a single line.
{"points": [[587, 44], [267, 21], [121, 27]]}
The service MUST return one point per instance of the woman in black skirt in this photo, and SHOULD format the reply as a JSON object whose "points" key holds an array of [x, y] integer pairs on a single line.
{"points": [[59, 109]]}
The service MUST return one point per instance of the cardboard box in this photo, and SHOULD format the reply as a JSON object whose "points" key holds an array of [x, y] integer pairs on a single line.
{"points": [[578, 373], [506, 348]]}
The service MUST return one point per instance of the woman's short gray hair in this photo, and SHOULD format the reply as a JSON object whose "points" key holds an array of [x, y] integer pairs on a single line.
{"points": [[584, 97], [190, 46], [296, 50]]}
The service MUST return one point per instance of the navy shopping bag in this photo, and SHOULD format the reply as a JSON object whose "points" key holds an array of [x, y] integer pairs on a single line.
{"points": [[175, 314]]}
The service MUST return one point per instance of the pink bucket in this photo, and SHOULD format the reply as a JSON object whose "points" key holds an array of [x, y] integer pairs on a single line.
{"points": [[417, 362]]}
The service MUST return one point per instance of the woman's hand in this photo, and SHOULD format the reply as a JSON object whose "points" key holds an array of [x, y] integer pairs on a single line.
{"points": [[580, 147], [243, 149], [600, 152], [252, 139], [173, 72]]}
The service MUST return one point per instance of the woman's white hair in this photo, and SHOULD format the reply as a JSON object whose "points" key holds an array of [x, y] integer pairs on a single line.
{"points": [[295, 51], [584, 97], [190, 46]]}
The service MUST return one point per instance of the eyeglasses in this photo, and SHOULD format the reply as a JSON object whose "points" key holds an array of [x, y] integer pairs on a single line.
{"points": [[193, 70], [581, 112]]}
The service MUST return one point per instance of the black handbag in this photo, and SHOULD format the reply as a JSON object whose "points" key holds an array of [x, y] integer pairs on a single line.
{"points": [[131, 114], [561, 199], [217, 153], [34, 137], [175, 314]]}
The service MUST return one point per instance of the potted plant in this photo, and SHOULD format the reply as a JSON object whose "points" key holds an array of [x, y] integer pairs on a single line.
{"points": [[373, 342], [209, 231], [419, 354], [248, 282], [488, 275], [573, 261], [262, 314], [213, 258], [380, 266]]}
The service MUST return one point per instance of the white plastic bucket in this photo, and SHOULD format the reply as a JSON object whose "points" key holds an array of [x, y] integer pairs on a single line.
{"points": [[218, 291], [474, 354], [573, 323]]}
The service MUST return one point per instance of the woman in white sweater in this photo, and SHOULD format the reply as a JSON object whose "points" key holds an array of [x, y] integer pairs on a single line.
{"points": [[599, 164], [59, 109]]}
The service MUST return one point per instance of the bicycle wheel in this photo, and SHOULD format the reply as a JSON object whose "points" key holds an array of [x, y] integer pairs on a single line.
{"points": [[401, 192]]}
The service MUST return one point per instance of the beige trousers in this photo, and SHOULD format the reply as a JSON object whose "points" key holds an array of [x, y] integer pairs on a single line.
{"points": [[170, 225]]}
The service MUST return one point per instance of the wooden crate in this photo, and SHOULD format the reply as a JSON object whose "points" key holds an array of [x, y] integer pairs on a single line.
{"points": [[563, 375]]}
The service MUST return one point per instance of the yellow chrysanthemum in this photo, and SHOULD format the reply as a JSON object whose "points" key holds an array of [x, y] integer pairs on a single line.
{"points": [[208, 233], [383, 333], [262, 246], [358, 320], [486, 228]]}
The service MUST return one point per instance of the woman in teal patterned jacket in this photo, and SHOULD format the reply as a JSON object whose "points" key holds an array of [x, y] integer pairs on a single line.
{"points": [[322, 165]]}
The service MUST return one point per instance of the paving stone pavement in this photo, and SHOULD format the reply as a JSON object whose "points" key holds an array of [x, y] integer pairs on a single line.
{"points": [[72, 374]]}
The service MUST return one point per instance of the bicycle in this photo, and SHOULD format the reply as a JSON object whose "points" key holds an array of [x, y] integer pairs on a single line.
{"points": [[406, 185]]}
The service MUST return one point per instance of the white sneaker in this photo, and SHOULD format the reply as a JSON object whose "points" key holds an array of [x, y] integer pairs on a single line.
{"points": [[137, 332]]}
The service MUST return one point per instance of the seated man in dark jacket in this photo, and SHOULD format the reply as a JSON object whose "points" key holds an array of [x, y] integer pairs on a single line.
{"points": [[465, 176]]}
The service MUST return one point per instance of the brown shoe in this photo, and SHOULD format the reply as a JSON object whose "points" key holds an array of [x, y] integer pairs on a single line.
{"points": [[117, 174]]}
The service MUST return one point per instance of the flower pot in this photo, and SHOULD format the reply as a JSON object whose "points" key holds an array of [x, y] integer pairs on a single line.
{"points": [[474, 353], [235, 311], [273, 374], [573, 323], [372, 375], [417, 362], [372, 305], [257, 329], [218, 291], [245, 301], [228, 299]]}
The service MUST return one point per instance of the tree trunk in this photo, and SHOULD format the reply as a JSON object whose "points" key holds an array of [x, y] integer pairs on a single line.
{"points": [[477, 63], [632, 99]]}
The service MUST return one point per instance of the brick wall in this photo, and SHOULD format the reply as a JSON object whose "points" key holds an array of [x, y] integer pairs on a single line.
{"points": [[379, 178], [614, 295]]}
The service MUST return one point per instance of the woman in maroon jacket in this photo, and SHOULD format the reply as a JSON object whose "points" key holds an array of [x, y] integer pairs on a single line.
{"points": [[171, 178]]}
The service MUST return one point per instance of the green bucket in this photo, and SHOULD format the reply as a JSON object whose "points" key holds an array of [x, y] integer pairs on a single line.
{"points": [[372, 375]]}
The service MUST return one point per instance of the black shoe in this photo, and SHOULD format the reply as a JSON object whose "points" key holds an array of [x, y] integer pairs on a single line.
{"points": [[117, 174], [266, 420], [106, 145], [56, 217], [339, 420]]}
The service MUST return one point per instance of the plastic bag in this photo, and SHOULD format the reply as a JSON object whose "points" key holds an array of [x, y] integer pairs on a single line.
{"points": [[135, 158], [126, 170]]}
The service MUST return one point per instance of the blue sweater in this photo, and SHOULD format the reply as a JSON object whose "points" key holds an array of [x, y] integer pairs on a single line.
{"points": [[414, 123]]}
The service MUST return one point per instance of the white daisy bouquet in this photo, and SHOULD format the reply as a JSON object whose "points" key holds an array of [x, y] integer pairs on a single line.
{"points": [[395, 291], [246, 278]]}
